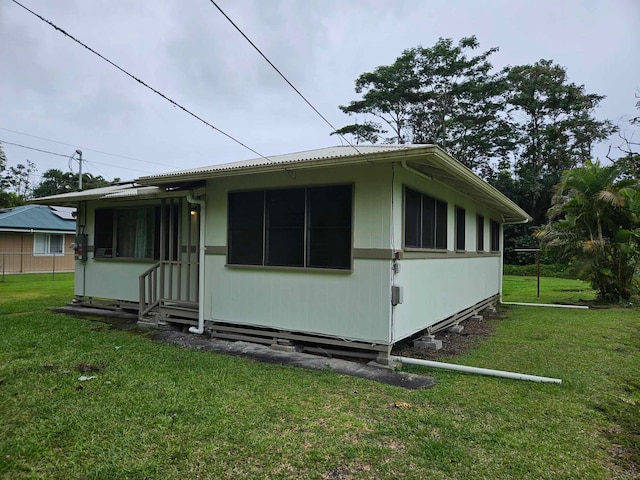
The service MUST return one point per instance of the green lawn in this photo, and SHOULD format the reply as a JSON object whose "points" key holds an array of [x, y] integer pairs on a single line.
{"points": [[158, 411]]}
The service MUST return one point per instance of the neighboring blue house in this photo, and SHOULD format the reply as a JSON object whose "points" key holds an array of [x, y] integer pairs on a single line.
{"points": [[36, 238]]}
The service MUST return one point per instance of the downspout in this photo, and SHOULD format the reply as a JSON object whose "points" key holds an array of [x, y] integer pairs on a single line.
{"points": [[203, 209]]}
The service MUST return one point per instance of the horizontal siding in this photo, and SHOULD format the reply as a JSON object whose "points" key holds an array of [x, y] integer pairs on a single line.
{"points": [[434, 289], [350, 305], [353, 305]]}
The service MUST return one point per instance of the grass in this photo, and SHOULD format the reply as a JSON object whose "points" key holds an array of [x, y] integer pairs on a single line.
{"points": [[552, 290], [159, 411]]}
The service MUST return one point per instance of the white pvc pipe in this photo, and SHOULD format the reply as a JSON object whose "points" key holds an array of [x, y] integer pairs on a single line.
{"points": [[545, 305], [479, 371], [203, 210]]}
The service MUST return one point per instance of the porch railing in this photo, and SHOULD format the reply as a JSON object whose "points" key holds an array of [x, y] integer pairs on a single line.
{"points": [[167, 281]]}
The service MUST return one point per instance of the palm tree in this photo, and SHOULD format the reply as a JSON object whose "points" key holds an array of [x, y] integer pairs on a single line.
{"points": [[595, 220]]}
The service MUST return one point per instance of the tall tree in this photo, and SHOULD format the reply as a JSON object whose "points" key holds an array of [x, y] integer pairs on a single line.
{"points": [[3, 159], [594, 220], [555, 127], [443, 94], [19, 178]]}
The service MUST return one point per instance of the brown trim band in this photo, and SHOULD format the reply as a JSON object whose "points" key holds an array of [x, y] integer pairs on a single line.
{"points": [[215, 250], [417, 255], [373, 253]]}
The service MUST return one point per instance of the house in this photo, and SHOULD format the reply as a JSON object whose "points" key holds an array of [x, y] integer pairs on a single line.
{"points": [[36, 238], [326, 248]]}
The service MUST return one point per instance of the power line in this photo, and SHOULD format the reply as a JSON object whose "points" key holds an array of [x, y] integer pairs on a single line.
{"points": [[141, 82], [67, 156], [283, 77], [86, 148], [33, 148]]}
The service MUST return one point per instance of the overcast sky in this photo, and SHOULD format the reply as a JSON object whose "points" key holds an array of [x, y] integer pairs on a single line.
{"points": [[50, 87]]}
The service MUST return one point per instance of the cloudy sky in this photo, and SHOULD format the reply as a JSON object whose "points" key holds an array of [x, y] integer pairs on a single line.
{"points": [[54, 89]]}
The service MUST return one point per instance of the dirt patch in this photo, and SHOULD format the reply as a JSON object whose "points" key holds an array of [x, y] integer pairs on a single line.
{"points": [[90, 367], [454, 344]]}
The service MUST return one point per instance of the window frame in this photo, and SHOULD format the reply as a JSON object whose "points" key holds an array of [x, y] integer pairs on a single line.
{"points": [[47, 244], [109, 234], [309, 247], [439, 232]]}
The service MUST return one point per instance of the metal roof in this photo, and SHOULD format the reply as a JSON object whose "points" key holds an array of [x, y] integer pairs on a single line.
{"points": [[428, 160], [35, 217], [320, 155]]}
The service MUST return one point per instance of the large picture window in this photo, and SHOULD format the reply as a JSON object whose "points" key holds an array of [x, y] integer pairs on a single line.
{"points": [[425, 221], [294, 227], [48, 244], [133, 232]]}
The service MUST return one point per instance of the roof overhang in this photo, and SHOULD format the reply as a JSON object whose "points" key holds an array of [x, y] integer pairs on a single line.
{"points": [[128, 191], [429, 160]]}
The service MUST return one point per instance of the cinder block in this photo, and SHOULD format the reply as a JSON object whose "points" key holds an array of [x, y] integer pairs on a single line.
{"points": [[427, 343], [476, 317], [283, 348], [456, 329]]}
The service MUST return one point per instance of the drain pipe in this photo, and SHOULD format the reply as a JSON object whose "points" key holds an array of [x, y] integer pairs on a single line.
{"points": [[476, 370], [203, 209]]}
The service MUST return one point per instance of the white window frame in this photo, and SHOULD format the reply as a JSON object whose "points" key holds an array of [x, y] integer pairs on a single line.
{"points": [[43, 246]]}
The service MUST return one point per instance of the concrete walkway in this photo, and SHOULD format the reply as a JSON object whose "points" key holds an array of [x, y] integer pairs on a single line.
{"points": [[263, 353]]}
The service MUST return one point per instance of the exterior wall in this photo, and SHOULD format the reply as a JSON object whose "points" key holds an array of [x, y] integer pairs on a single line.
{"points": [[116, 278], [16, 254], [350, 304], [437, 285]]}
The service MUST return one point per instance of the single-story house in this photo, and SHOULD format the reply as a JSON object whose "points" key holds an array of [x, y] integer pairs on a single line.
{"points": [[36, 238], [331, 247]]}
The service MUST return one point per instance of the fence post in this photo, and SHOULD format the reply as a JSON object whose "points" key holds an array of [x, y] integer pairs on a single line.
{"points": [[3, 267], [53, 272]]}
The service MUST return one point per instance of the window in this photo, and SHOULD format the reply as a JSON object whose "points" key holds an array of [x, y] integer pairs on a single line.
{"points": [[495, 236], [294, 227], [425, 221], [48, 244], [479, 233], [460, 228], [133, 232]]}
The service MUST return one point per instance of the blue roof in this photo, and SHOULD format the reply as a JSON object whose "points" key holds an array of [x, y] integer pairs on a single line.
{"points": [[37, 217]]}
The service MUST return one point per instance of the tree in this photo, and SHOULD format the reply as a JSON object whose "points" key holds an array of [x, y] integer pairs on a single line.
{"points": [[555, 130], [55, 181], [3, 159], [18, 179], [443, 94], [594, 221]]}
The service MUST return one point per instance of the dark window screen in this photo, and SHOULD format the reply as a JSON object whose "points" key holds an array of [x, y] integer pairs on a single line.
{"points": [[246, 225], [412, 218], [285, 227], [460, 228], [329, 227], [425, 221], [480, 233], [103, 233], [295, 227], [495, 236]]}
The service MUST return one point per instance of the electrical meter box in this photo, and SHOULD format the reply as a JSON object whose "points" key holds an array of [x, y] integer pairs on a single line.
{"points": [[80, 247]]}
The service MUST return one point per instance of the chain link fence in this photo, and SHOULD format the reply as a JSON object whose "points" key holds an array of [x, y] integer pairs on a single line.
{"points": [[16, 263]]}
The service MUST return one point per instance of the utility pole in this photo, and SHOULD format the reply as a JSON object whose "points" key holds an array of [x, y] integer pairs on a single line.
{"points": [[79, 152]]}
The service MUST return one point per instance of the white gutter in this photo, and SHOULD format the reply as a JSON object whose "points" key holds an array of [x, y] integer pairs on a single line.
{"points": [[479, 371], [203, 209]]}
